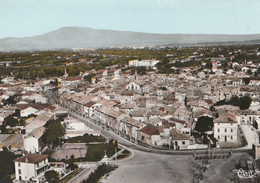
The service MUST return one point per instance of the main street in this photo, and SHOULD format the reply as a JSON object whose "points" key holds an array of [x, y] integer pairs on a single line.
{"points": [[111, 135], [153, 165], [144, 166]]}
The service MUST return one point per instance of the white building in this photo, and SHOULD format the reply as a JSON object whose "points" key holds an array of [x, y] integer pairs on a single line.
{"points": [[179, 140], [28, 111], [37, 98], [144, 63], [31, 166], [225, 127], [32, 142]]}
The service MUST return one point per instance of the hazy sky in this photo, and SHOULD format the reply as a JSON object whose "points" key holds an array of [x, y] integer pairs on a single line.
{"points": [[21, 18]]}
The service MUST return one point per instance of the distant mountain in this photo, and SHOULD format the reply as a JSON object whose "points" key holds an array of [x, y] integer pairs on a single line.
{"points": [[82, 37]]}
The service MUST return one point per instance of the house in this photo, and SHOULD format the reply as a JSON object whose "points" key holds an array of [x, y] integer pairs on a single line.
{"points": [[136, 85], [33, 141], [150, 135], [103, 72], [139, 115], [178, 123], [31, 166], [226, 126], [249, 117], [28, 111], [37, 98], [33, 109], [179, 140], [69, 81], [90, 107]]}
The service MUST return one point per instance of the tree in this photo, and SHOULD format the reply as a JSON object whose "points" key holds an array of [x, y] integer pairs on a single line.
{"points": [[6, 165], [242, 102], [116, 143], [3, 129], [88, 77], [54, 132], [246, 80], [204, 124], [10, 100], [245, 102], [73, 166], [52, 176], [9, 120], [234, 101], [209, 65]]}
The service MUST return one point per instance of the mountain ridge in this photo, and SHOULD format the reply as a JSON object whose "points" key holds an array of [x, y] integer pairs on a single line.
{"points": [[85, 37]]}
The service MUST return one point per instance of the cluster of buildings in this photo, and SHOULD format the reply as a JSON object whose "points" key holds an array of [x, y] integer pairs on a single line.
{"points": [[155, 109], [163, 109], [26, 104]]}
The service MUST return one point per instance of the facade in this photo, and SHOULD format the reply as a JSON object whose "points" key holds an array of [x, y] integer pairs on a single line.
{"points": [[150, 135], [179, 140], [31, 166], [226, 127], [33, 141], [28, 111]]}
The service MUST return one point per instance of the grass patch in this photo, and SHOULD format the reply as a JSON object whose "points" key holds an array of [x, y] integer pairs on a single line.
{"points": [[97, 151]]}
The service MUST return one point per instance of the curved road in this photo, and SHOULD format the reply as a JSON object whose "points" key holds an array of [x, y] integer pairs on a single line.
{"points": [[153, 165], [131, 145]]}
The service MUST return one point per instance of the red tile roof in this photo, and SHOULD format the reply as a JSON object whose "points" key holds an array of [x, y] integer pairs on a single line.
{"points": [[176, 120], [90, 104], [32, 158], [150, 130]]}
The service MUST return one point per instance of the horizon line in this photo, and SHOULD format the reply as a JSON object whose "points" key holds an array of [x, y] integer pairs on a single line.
{"points": [[227, 34]]}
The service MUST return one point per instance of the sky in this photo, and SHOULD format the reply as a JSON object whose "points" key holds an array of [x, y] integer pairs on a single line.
{"points": [[23, 18]]}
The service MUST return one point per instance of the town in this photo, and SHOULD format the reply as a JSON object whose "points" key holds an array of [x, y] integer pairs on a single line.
{"points": [[68, 116]]}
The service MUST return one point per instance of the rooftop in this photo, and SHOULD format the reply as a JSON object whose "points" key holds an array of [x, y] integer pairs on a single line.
{"points": [[32, 158]]}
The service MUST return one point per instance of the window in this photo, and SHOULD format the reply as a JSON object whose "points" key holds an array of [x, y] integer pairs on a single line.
{"points": [[19, 171], [231, 137], [218, 129], [19, 164], [231, 130], [225, 130], [183, 142], [218, 137]]}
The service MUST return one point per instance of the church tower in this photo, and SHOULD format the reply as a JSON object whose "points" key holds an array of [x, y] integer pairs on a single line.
{"points": [[65, 72]]}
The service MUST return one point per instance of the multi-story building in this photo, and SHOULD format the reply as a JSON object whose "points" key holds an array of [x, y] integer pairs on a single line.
{"points": [[31, 166], [226, 127]]}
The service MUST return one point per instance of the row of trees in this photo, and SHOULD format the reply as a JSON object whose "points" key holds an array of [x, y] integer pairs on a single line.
{"points": [[243, 102]]}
